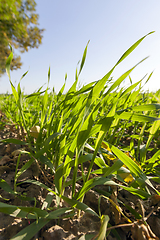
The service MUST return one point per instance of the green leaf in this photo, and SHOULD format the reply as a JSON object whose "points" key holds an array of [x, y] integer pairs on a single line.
{"points": [[86, 88], [29, 232], [8, 63], [132, 48], [49, 73], [140, 193], [23, 75], [153, 159], [35, 94], [15, 93], [41, 185], [87, 237], [4, 185], [24, 168], [103, 229], [79, 205], [120, 79], [12, 140], [47, 202], [146, 107], [129, 89], [117, 165], [47, 162], [83, 58], [133, 167], [135, 117], [92, 183]]}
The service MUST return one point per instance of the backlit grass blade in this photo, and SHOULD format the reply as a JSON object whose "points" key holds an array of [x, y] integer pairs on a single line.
{"points": [[86, 88], [138, 192], [8, 63], [15, 93], [23, 75], [133, 167], [81, 206], [154, 128], [36, 94], [92, 183], [135, 117], [129, 89], [83, 59], [106, 181], [87, 126], [153, 159], [148, 78], [146, 107], [132, 48], [44, 107], [49, 74], [72, 89], [93, 95], [61, 91], [120, 79], [104, 128], [117, 165]]}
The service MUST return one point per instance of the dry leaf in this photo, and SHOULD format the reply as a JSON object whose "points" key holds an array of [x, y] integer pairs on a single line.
{"points": [[34, 131], [142, 231]]}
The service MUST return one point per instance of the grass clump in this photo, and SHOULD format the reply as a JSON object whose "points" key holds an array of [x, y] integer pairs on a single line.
{"points": [[107, 128]]}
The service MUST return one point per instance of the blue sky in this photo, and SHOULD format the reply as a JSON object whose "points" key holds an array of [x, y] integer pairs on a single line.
{"points": [[111, 26]]}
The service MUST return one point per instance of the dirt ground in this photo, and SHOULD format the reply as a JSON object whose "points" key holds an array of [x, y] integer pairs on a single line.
{"points": [[72, 228]]}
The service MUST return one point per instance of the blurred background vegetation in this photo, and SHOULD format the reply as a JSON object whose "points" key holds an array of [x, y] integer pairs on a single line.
{"points": [[19, 29]]}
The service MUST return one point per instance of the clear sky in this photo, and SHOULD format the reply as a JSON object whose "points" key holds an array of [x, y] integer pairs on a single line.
{"points": [[112, 26]]}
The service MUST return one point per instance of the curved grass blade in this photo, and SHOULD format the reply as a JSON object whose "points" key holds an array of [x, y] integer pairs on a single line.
{"points": [[83, 58], [135, 117], [4, 185], [103, 229], [132, 48], [133, 167], [8, 63], [124, 76], [29, 232], [81, 206], [12, 140], [23, 75], [146, 107]]}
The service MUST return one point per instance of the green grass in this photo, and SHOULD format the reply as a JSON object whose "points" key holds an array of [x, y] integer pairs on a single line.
{"points": [[96, 124]]}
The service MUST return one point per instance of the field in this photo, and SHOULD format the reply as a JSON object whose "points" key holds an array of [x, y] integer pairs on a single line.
{"points": [[81, 165]]}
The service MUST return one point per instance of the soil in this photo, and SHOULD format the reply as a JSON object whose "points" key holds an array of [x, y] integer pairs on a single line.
{"points": [[71, 228]]}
